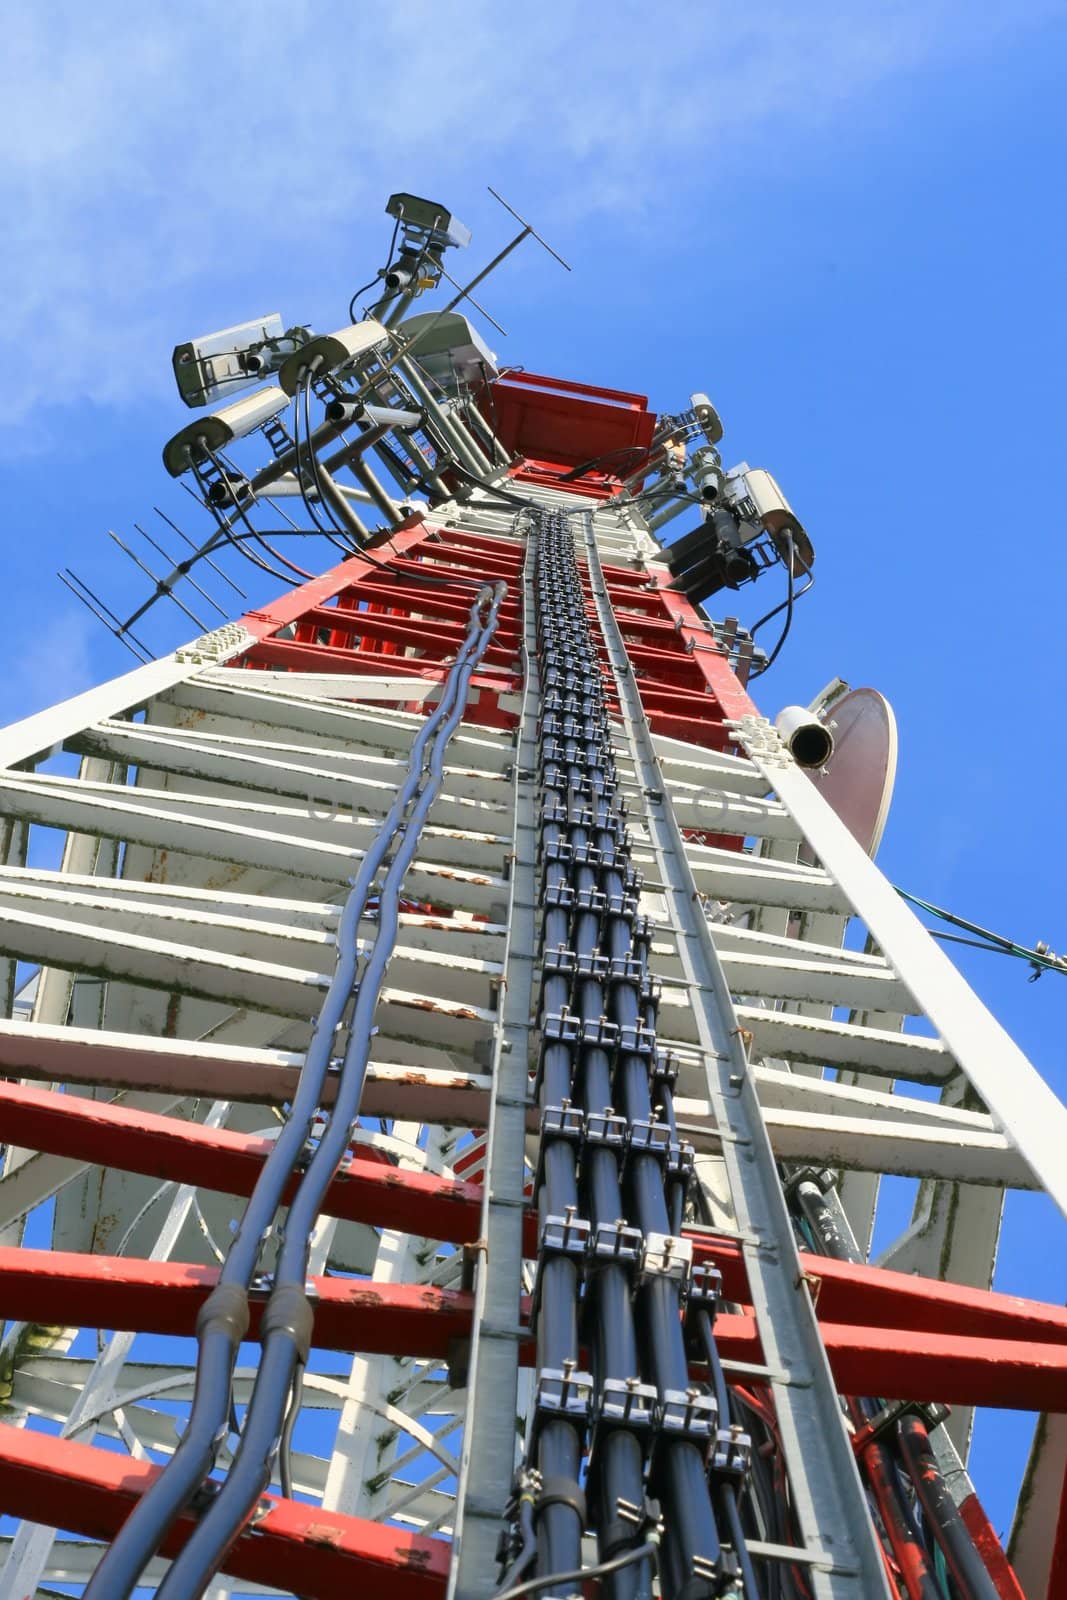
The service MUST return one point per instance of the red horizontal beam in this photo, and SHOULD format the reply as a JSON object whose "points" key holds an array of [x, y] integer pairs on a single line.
{"points": [[444, 559], [417, 631], [901, 1364], [432, 601], [319, 1554], [501, 549], [693, 730], [351, 1314], [327, 658], [447, 581], [364, 1190], [367, 1190], [847, 1292]]}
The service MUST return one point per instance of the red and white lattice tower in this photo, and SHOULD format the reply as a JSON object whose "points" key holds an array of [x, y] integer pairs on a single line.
{"points": [[170, 901]]}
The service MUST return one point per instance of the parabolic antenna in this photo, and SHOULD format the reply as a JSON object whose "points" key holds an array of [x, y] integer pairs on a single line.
{"points": [[857, 780]]}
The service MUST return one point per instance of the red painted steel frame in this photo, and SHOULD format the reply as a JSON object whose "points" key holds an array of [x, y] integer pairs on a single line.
{"points": [[315, 1553], [885, 1333], [351, 1314], [364, 1190], [375, 614], [56, 1287]]}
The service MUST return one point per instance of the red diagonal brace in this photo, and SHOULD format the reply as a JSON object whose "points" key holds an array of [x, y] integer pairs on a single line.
{"points": [[316, 1553], [220, 1158]]}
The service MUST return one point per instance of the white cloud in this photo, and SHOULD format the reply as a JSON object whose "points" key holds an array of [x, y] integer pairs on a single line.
{"points": [[159, 162]]}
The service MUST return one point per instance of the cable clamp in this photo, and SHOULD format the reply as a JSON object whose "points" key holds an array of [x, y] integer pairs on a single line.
{"points": [[593, 965], [688, 1414], [705, 1289], [932, 1412], [558, 896], [553, 810], [559, 1238], [731, 1455], [663, 1070], [564, 1236], [561, 1027], [607, 1128], [600, 1033], [565, 1122], [559, 961], [624, 1403], [648, 1139], [525, 1488], [629, 969], [621, 905], [562, 1394], [681, 1163], [612, 1243], [669, 1256], [635, 1039]]}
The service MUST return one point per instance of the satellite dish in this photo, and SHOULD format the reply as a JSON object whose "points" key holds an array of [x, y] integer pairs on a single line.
{"points": [[857, 780]]}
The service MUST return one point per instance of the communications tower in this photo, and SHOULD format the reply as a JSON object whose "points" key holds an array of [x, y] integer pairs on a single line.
{"points": [[452, 1039]]}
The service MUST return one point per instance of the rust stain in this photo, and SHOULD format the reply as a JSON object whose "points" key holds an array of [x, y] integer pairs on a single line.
{"points": [[418, 1559], [417, 1003], [322, 1533]]}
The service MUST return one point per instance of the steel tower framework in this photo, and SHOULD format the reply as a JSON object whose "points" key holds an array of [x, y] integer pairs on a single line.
{"points": [[594, 1257]]}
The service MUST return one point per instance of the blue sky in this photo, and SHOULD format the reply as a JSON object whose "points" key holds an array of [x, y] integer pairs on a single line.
{"points": [[843, 221]]}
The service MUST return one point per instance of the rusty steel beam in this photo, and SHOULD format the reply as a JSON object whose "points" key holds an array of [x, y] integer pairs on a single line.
{"points": [[115, 1292], [260, 1077], [315, 1553], [854, 1294], [366, 1189], [350, 1314]]}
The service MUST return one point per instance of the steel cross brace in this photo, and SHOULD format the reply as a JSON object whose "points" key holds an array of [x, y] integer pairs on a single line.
{"points": [[1022, 1104]]}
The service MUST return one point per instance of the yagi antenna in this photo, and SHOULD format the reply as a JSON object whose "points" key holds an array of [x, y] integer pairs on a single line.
{"points": [[527, 229], [92, 602], [201, 553], [181, 567], [474, 303], [163, 585]]}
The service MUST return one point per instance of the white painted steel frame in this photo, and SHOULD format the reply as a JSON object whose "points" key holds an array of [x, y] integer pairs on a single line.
{"points": [[247, 911]]}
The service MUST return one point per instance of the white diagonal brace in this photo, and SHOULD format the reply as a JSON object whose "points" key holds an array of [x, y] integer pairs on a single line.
{"points": [[1006, 1080]]}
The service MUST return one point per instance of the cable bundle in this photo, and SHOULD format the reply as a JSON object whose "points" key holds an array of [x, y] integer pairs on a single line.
{"points": [[286, 1324]]}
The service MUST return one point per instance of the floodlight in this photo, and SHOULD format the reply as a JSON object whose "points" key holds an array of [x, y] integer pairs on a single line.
{"points": [[219, 428], [430, 218], [706, 414], [330, 352], [212, 367]]}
